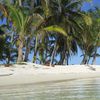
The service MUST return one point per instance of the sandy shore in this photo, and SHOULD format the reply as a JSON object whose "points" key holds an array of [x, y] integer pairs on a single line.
{"points": [[33, 73]]}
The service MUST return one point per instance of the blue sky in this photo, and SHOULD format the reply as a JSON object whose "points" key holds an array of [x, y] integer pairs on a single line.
{"points": [[87, 6]]}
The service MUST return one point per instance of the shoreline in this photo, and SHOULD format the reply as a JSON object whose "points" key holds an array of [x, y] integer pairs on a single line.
{"points": [[28, 74]]}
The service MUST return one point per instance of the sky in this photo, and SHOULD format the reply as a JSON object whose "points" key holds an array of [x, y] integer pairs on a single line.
{"points": [[87, 6]]}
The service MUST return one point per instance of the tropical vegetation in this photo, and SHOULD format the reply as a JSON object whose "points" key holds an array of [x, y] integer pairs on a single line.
{"points": [[48, 31]]}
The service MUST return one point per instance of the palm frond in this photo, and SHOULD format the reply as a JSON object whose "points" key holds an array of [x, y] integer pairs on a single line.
{"points": [[55, 28]]}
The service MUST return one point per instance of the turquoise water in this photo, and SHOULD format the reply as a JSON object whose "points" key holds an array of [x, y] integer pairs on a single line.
{"points": [[85, 89]]}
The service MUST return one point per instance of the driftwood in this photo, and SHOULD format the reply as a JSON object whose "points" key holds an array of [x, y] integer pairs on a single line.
{"points": [[8, 65]]}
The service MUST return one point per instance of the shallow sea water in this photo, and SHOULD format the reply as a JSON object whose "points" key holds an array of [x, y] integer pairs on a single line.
{"points": [[84, 89]]}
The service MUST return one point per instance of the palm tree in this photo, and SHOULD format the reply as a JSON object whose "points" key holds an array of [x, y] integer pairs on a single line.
{"points": [[66, 15], [7, 52], [88, 39], [96, 30], [21, 23], [55, 16], [58, 18]]}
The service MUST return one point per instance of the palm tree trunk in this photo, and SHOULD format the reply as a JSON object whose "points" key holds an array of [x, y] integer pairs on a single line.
{"points": [[35, 50], [27, 49], [20, 52], [35, 54], [63, 54], [62, 58], [20, 2], [67, 59], [32, 4], [27, 53], [53, 54], [84, 61], [88, 60], [34, 57], [8, 60], [94, 58]]}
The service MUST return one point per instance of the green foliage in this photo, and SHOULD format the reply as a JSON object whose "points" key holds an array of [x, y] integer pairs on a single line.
{"points": [[88, 20], [55, 28], [7, 52], [49, 28]]}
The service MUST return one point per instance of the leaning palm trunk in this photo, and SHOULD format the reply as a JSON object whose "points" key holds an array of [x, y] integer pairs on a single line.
{"points": [[88, 60], [20, 51], [53, 54], [62, 58], [94, 58], [85, 59], [66, 60]]}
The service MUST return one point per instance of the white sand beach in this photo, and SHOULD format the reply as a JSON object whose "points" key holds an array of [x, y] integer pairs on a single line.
{"points": [[31, 73]]}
